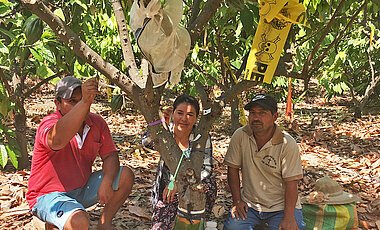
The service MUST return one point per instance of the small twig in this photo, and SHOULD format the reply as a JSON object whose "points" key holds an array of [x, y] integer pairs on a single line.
{"points": [[206, 74], [32, 90]]}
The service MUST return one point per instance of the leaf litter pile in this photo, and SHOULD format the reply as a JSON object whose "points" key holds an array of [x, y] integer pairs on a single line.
{"points": [[331, 141]]}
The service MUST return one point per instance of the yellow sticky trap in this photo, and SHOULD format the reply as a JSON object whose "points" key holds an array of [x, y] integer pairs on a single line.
{"points": [[371, 36], [270, 8], [271, 36], [109, 92]]}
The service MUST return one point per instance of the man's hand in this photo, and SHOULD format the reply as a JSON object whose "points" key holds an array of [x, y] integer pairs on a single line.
{"points": [[105, 192], [169, 198], [89, 90], [288, 223], [239, 210]]}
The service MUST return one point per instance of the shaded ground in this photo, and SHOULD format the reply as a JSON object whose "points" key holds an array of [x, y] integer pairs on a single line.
{"points": [[332, 143]]}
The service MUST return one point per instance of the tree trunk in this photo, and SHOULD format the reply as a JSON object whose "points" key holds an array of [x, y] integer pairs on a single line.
{"points": [[20, 125], [20, 116], [235, 124]]}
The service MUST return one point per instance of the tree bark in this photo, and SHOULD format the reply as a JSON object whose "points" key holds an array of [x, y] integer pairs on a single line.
{"points": [[20, 116], [235, 124], [198, 24]]}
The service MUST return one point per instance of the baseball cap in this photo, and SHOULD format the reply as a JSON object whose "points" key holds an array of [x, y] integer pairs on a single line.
{"points": [[266, 101], [65, 87]]}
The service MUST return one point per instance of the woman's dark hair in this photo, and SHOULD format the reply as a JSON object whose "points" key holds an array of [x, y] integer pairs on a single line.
{"points": [[184, 98]]}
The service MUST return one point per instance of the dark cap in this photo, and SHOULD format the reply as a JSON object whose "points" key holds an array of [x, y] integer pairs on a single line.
{"points": [[265, 101], [65, 87]]}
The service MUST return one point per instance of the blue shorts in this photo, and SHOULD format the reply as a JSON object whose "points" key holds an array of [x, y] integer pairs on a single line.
{"points": [[273, 219], [56, 207]]}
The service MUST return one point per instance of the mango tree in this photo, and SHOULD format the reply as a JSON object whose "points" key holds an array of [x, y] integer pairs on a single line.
{"points": [[28, 52], [147, 99], [340, 49]]}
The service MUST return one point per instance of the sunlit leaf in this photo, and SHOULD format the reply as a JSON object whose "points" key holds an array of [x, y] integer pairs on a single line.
{"points": [[4, 155]]}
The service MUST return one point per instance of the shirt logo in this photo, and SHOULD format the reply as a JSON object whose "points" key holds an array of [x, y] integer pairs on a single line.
{"points": [[269, 161], [60, 213]]}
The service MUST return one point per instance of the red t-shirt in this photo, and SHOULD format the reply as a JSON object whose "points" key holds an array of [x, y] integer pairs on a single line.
{"points": [[69, 168]]}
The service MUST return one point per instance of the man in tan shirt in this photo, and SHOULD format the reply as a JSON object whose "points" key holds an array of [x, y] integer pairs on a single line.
{"points": [[270, 163]]}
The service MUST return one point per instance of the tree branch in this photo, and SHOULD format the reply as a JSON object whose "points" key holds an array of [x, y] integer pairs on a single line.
{"points": [[231, 93], [81, 49], [371, 87], [125, 40], [320, 58], [243, 65], [305, 69], [221, 86], [197, 26], [220, 55], [32, 90], [195, 11]]}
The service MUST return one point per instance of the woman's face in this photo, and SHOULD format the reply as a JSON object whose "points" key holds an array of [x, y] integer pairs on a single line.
{"points": [[184, 117]]}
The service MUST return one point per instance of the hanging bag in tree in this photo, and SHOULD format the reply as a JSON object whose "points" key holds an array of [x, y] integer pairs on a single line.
{"points": [[162, 41]]}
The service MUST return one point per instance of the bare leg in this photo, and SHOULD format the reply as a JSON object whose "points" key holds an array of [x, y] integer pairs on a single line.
{"points": [[118, 199], [78, 220]]}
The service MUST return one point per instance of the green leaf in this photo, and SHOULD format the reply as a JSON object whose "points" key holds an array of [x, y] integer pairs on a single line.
{"points": [[247, 19], [341, 55], [194, 55], [238, 30], [117, 102], [8, 33], [12, 156], [3, 106], [4, 155], [44, 72], [60, 14], [4, 9], [83, 5], [3, 48], [36, 54]]}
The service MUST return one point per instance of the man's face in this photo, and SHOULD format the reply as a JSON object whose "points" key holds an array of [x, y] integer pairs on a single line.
{"points": [[261, 120], [67, 104]]}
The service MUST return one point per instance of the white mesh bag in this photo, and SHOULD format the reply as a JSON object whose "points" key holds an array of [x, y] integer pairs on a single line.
{"points": [[162, 41]]}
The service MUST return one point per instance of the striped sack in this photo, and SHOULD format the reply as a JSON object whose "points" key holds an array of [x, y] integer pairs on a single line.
{"points": [[330, 217]]}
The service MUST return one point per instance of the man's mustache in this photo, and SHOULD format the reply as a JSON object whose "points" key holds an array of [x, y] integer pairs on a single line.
{"points": [[256, 123]]}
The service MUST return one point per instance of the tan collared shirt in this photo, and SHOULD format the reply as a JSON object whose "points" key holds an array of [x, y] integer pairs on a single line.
{"points": [[264, 171]]}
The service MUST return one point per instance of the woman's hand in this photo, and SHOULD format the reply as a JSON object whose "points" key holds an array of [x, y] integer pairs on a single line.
{"points": [[167, 112], [170, 197]]}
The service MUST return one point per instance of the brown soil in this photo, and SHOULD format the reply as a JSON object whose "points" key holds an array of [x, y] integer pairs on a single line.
{"points": [[332, 143]]}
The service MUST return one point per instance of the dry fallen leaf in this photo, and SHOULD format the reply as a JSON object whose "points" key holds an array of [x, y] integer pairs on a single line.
{"points": [[361, 209], [364, 224], [138, 211], [218, 211], [378, 224], [317, 197]]}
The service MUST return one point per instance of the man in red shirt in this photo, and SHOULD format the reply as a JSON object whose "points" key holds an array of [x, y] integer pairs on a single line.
{"points": [[61, 183]]}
